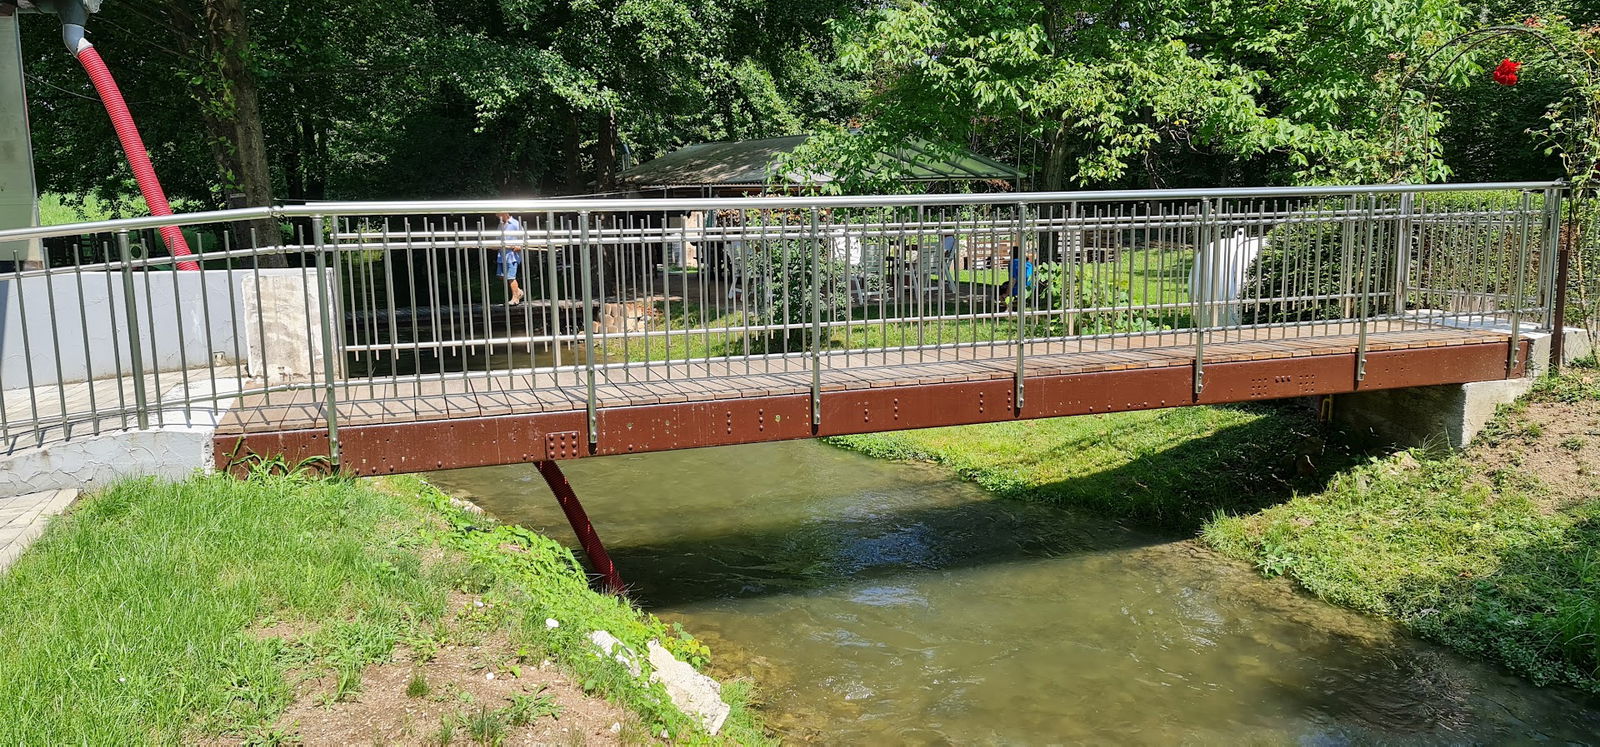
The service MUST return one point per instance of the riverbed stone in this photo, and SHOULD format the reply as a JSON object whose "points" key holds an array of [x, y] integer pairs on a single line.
{"points": [[610, 645], [692, 692]]}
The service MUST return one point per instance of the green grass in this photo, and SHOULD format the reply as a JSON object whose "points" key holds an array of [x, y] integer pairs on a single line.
{"points": [[1136, 277], [1466, 554], [1147, 275], [135, 618], [129, 621], [1168, 468], [58, 209]]}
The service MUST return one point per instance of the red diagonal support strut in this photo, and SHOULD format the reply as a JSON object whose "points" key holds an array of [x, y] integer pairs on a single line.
{"points": [[579, 520]]}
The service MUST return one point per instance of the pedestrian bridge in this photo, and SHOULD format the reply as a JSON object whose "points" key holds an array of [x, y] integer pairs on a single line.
{"points": [[380, 336]]}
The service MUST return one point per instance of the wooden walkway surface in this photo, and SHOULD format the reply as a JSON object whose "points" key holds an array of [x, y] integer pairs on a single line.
{"points": [[477, 395]]}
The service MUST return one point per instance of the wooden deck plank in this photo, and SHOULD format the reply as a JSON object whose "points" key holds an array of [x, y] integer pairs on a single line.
{"points": [[663, 383]]}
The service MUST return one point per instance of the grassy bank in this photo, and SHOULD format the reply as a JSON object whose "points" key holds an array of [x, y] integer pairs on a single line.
{"points": [[1494, 551], [159, 612], [1166, 468]]}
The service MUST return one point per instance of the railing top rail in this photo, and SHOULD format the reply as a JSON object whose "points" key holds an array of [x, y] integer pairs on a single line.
{"points": [[143, 222], [570, 205]]}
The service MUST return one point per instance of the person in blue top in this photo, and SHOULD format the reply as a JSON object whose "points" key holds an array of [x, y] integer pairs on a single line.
{"points": [[1019, 266], [510, 257]]}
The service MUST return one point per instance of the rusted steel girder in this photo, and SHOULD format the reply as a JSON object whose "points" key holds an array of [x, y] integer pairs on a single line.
{"points": [[536, 437], [587, 537]]}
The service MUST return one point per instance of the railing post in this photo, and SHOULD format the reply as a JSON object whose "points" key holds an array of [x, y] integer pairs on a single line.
{"points": [[1513, 355], [584, 254], [816, 322], [1558, 292], [330, 397], [1402, 251], [1371, 240], [130, 309], [1202, 288], [1549, 259], [1022, 303]]}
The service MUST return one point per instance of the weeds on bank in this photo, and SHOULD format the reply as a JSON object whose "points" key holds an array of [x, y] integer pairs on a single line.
{"points": [[1455, 548], [489, 726]]}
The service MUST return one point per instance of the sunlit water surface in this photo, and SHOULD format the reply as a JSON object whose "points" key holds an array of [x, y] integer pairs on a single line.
{"points": [[875, 602]]}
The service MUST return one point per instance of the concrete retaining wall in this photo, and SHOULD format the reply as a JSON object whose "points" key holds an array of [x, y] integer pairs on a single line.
{"points": [[187, 319], [173, 451]]}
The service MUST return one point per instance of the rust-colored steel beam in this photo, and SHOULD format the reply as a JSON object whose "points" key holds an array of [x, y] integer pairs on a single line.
{"points": [[599, 559], [536, 437]]}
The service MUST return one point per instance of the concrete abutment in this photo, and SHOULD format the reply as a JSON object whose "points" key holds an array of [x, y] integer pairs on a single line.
{"points": [[1451, 414]]}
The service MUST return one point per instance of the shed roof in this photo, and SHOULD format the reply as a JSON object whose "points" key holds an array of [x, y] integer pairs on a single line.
{"points": [[755, 162]]}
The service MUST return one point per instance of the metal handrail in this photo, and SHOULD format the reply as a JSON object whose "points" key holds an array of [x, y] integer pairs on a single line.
{"points": [[571, 205]]}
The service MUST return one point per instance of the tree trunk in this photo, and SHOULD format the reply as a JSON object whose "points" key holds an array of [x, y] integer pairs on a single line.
{"points": [[605, 155], [1054, 246], [238, 108], [1056, 153], [574, 145], [217, 39]]}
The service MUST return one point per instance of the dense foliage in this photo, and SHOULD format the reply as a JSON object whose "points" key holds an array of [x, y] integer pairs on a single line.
{"points": [[369, 98], [247, 100]]}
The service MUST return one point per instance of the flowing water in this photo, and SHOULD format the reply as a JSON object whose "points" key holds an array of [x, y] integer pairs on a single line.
{"points": [[886, 603]]}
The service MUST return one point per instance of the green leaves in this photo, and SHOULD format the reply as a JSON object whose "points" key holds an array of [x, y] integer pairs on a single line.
{"points": [[1103, 90]]}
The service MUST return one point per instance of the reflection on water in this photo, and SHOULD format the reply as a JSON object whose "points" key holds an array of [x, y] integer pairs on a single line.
{"points": [[882, 602]]}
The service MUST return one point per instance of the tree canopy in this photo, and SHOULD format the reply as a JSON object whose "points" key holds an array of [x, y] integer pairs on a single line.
{"points": [[247, 100]]}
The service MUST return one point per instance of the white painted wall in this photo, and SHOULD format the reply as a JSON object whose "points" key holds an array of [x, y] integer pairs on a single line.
{"points": [[18, 208], [186, 318]]}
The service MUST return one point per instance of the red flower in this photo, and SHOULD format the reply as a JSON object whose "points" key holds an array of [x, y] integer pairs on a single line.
{"points": [[1506, 72]]}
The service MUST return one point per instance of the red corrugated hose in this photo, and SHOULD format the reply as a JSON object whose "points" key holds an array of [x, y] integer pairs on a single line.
{"points": [[133, 145]]}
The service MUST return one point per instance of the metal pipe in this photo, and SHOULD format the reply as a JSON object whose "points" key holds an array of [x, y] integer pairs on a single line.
{"points": [[130, 310], [588, 331], [815, 246], [325, 311], [1512, 358]]}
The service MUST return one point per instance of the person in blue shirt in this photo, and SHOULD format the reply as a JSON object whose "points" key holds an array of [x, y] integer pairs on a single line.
{"points": [[510, 257], [1019, 265]]}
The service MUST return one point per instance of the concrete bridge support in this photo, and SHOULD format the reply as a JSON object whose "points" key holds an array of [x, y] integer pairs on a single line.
{"points": [[1451, 414]]}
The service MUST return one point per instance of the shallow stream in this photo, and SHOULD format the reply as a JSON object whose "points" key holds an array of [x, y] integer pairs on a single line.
{"points": [[881, 602]]}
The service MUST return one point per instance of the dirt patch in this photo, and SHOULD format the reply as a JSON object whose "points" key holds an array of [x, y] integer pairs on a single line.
{"points": [[1556, 442], [279, 629], [473, 692]]}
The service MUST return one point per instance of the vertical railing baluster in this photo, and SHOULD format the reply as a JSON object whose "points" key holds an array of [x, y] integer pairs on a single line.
{"points": [[1022, 288], [585, 275], [1548, 262], [1402, 252], [1560, 278], [552, 320], [1514, 354], [1366, 287]]}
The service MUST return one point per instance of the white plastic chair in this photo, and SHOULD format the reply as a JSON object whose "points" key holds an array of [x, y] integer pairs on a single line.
{"points": [[1219, 275]]}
